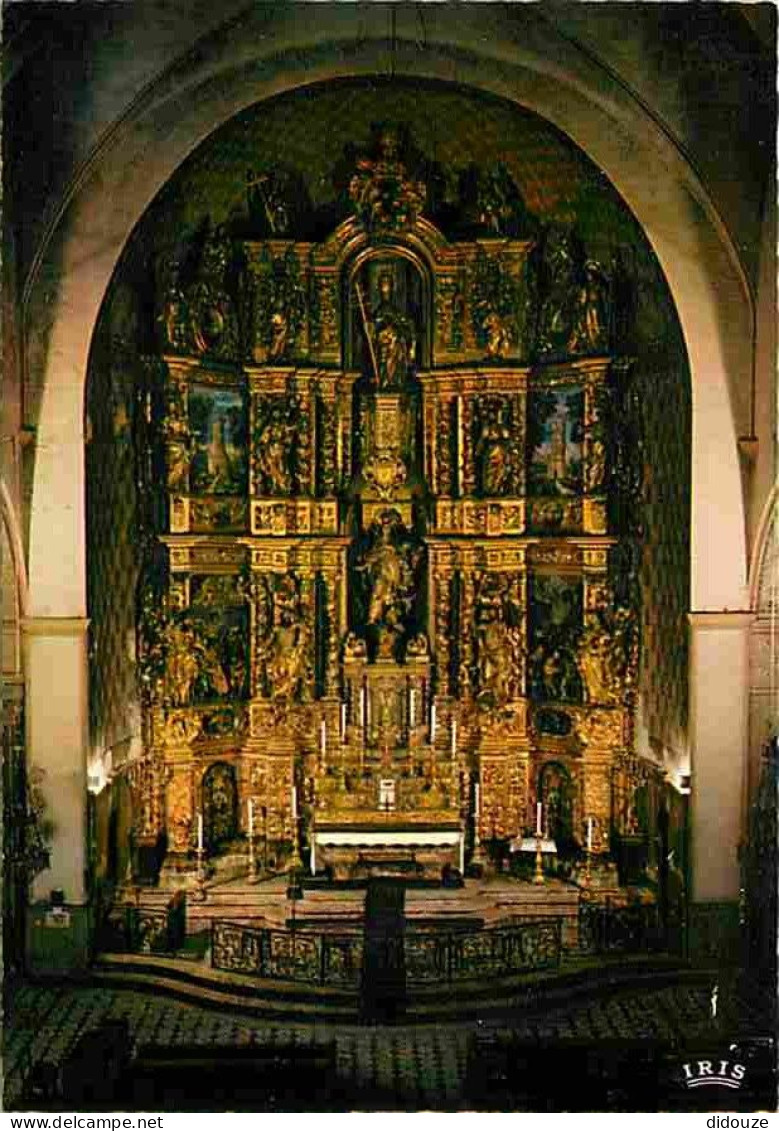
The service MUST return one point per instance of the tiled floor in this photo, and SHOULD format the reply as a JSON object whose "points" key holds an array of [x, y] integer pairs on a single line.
{"points": [[423, 1066]]}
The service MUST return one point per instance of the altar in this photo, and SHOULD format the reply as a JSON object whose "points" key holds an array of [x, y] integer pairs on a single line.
{"points": [[357, 853]]}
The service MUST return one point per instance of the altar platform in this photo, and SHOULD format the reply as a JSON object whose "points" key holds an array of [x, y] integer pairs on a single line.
{"points": [[318, 906]]}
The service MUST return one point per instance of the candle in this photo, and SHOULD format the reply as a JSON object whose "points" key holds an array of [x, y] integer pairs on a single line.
{"points": [[323, 737], [363, 718], [477, 800], [411, 705], [313, 855], [462, 854], [454, 737], [251, 817], [343, 720], [200, 832], [432, 723], [294, 803], [589, 834], [539, 814]]}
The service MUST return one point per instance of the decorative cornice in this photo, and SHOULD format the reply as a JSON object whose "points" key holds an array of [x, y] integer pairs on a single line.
{"points": [[55, 626], [722, 618]]}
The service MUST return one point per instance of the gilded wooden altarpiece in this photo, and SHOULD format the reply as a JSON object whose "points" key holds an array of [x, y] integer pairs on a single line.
{"points": [[389, 544]]}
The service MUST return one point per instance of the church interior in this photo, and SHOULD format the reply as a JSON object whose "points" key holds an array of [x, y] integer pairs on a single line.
{"points": [[390, 554]]}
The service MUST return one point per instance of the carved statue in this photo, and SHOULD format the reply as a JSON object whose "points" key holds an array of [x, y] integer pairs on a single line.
{"points": [[274, 444], [212, 308], [493, 452], [499, 641], [590, 314], [284, 638], [183, 666], [391, 565], [382, 192], [394, 338], [180, 445], [608, 654], [558, 291], [498, 336]]}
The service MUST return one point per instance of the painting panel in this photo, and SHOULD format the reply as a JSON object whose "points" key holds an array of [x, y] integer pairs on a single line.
{"points": [[555, 426], [554, 629], [217, 422]]}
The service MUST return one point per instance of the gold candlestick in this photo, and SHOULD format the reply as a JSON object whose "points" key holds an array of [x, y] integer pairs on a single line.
{"points": [[538, 877]]}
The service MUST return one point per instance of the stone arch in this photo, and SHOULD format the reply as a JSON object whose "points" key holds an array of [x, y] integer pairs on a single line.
{"points": [[650, 173]]}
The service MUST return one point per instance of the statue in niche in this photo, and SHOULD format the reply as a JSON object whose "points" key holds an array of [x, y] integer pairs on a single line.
{"points": [[491, 203], [392, 336], [390, 564], [214, 322], [559, 290], [608, 653], [499, 641], [182, 662], [494, 305], [284, 639], [493, 451], [590, 312], [180, 444], [275, 442], [555, 791], [175, 315]]}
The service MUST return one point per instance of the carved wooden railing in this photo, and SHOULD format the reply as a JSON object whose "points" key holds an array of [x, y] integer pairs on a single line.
{"points": [[298, 956], [429, 957], [634, 928]]}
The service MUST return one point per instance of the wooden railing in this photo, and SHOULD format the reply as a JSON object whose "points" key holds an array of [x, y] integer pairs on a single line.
{"points": [[429, 957]]}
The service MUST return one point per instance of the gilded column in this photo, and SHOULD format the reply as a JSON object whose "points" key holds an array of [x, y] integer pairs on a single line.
{"points": [[465, 445], [333, 613], [442, 604]]}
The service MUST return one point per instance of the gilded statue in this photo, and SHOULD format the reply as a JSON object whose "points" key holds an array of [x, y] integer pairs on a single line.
{"points": [[499, 641], [284, 643], [393, 337], [608, 654], [275, 441], [384, 195], [493, 452], [390, 564], [590, 311]]}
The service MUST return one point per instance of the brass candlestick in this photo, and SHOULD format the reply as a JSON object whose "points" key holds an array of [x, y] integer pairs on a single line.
{"points": [[254, 873], [199, 894], [538, 877]]}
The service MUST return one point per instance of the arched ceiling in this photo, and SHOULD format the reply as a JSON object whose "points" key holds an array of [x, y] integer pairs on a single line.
{"points": [[706, 75]]}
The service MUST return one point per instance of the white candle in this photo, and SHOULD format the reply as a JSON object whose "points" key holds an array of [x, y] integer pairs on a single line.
{"points": [[323, 737], [411, 705], [251, 817], [477, 800], [462, 854], [343, 720], [432, 723], [454, 737], [539, 814], [589, 834], [200, 832], [313, 855], [294, 803], [363, 718]]}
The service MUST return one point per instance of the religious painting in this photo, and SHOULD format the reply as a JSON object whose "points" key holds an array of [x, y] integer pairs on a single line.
{"points": [[218, 428], [554, 628], [555, 426], [218, 620]]}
